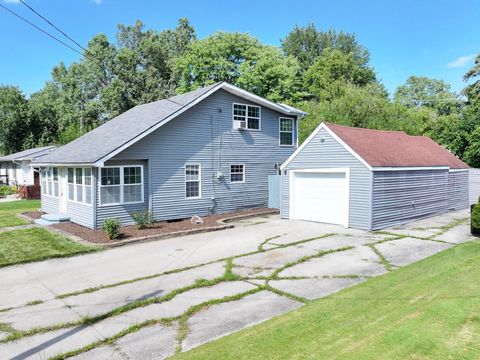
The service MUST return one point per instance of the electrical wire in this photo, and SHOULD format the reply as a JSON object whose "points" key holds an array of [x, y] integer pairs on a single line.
{"points": [[55, 27], [44, 31]]}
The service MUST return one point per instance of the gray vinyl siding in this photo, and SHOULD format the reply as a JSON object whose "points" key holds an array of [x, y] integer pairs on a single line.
{"points": [[474, 185], [403, 196], [49, 204], [204, 134], [331, 154], [122, 212], [81, 214], [458, 190]]}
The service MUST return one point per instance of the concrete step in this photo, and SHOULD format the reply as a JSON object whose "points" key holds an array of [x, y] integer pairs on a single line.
{"points": [[50, 219]]}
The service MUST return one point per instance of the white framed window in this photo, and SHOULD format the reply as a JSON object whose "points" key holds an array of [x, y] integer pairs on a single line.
{"points": [[193, 182], [249, 115], [121, 185], [286, 131], [79, 185], [237, 173], [49, 183]]}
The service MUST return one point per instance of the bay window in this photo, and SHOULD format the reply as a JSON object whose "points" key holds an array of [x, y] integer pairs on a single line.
{"points": [[121, 185]]}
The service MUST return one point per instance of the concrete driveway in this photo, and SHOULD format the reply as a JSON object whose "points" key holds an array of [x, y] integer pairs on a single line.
{"points": [[158, 298]]}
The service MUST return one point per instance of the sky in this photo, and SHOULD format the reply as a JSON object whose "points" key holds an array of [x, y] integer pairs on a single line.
{"points": [[434, 38]]}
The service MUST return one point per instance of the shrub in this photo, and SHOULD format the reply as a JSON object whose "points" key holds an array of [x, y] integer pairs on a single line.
{"points": [[142, 218], [475, 220], [6, 190], [111, 228]]}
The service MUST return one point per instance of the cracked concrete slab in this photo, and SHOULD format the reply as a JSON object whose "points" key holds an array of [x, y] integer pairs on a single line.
{"points": [[151, 343], [361, 261], [175, 307], [314, 288], [222, 319], [103, 352], [334, 242], [104, 300], [457, 235], [409, 250], [46, 314], [47, 345], [271, 259]]}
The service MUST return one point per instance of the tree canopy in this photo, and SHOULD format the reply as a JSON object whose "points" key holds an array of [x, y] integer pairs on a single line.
{"points": [[326, 73]]}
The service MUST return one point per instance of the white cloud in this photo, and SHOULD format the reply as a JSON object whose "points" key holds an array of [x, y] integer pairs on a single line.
{"points": [[461, 61]]}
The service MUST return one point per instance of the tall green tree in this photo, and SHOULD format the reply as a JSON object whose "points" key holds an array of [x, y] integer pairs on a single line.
{"points": [[14, 119], [308, 43]]}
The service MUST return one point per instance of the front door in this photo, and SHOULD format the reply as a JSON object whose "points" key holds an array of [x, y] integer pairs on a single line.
{"points": [[62, 190]]}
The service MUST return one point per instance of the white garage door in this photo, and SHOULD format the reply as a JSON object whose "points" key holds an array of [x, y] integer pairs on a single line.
{"points": [[320, 196]]}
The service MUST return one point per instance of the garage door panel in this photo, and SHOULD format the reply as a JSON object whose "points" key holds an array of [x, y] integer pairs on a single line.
{"points": [[321, 197]]}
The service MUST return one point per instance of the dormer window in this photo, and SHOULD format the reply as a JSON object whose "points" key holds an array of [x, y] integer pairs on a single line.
{"points": [[246, 117]]}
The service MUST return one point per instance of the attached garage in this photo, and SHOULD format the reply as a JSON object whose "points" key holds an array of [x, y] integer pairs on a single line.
{"points": [[371, 179]]}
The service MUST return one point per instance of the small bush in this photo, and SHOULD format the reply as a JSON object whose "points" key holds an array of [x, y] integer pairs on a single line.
{"points": [[142, 218], [111, 228], [6, 190], [475, 220]]}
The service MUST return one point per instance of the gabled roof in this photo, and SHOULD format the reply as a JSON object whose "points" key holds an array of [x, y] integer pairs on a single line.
{"points": [[107, 140], [29, 154], [390, 149]]}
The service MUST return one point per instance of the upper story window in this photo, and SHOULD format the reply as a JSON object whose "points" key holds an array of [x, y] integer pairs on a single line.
{"points": [[121, 185], [192, 180], [247, 116], [286, 131], [79, 185]]}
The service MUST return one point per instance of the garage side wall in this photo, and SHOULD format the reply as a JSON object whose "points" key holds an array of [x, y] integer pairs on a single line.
{"points": [[458, 190], [331, 154], [403, 196], [474, 185]]}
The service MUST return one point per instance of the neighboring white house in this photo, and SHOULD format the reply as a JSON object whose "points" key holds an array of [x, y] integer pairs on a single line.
{"points": [[15, 169]]}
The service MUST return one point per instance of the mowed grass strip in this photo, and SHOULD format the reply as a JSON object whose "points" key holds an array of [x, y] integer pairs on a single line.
{"points": [[428, 310], [10, 209], [36, 244]]}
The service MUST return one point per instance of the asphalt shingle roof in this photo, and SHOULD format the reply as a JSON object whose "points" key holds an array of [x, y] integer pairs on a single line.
{"points": [[28, 154], [381, 148]]}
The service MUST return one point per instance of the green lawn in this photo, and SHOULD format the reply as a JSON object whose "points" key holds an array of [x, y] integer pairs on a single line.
{"points": [[8, 211], [429, 310], [35, 244]]}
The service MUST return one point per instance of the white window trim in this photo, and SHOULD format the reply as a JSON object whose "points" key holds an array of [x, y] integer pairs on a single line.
{"points": [[280, 131], [199, 181], [246, 116], [121, 185], [83, 186], [244, 173], [47, 179]]}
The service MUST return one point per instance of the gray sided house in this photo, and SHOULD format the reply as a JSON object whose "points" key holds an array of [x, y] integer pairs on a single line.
{"points": [[207, 151], [371, 179]]}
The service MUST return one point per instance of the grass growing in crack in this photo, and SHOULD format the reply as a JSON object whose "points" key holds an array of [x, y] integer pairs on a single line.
{"points": [[229, 275], [34, 302], [305, 240], [445, 228], [284, 293], [264, 242], [382, 258], [7, 328]]}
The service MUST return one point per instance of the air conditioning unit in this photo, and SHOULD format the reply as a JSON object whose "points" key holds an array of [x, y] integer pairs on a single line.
{"points": [[239, 125]]}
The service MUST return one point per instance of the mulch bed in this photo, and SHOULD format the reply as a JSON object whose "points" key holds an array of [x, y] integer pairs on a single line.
{"points": [[157, 228], [33, 214]]}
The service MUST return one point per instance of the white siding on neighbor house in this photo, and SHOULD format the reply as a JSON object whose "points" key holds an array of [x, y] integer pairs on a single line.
{"points": [[204, 134], [26, 171], [403, 196], [474, 185], [331, 154]]}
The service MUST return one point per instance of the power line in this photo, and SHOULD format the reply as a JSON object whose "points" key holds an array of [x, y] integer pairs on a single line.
{"points": [[41, 30], [55, 27]]}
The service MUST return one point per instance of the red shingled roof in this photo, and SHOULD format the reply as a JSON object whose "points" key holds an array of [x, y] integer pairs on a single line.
{"points": [[395, 148]]}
